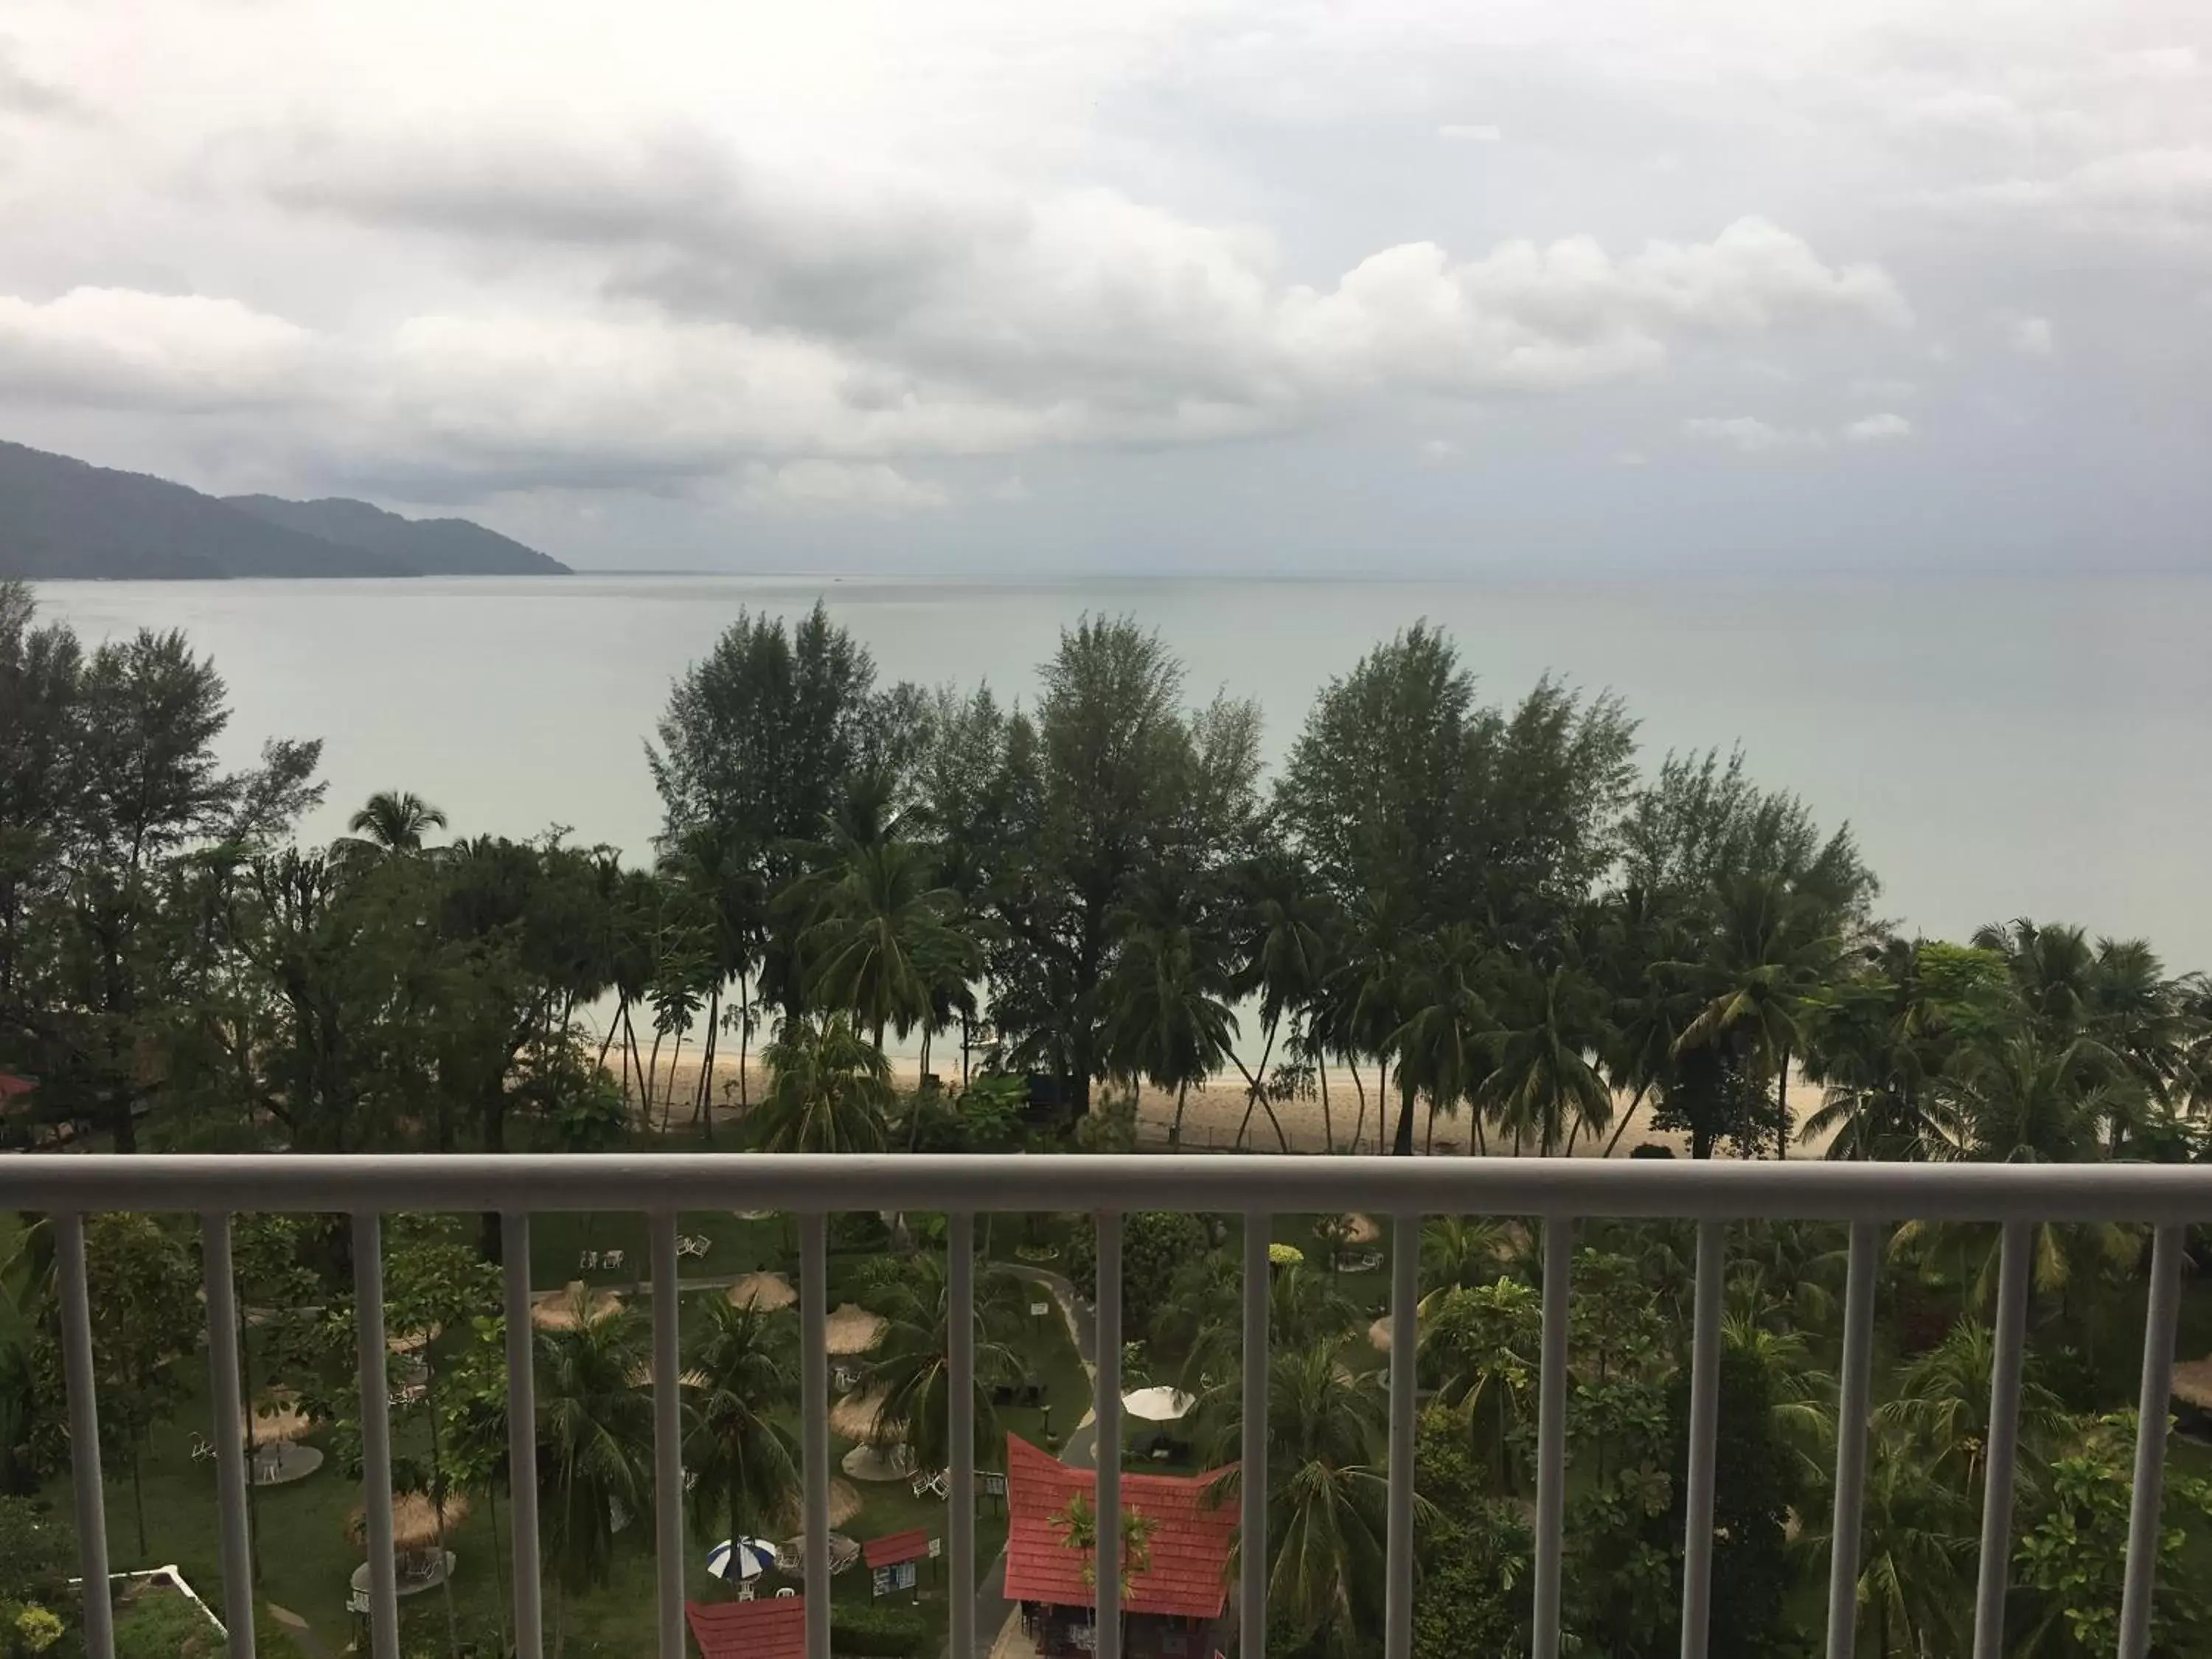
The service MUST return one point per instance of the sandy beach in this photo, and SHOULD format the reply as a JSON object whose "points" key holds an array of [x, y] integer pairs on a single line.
{"points": [[1214, 1117]]}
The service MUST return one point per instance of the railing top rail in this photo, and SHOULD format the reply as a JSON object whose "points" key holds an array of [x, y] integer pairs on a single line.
{"points": [[1809, 1190]]}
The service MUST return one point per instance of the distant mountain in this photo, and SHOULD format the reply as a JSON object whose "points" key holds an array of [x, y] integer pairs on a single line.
{"points": [[436, 547], [62, 517]]}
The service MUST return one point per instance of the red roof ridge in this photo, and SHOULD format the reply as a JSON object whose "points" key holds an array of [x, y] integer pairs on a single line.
{"points": [[1192, 1533]]}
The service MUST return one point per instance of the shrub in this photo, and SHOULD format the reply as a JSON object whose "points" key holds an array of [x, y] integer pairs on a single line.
{"points": [[1155, 1245], [880, 1633]]}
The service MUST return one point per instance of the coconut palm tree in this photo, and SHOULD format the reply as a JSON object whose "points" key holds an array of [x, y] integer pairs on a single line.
{"points": [[739, 1371], [1440, 1043], [1941, 1408], [594, 1444], [1079, 1525], [1458, 1252], [1326, 1425], [1480, 1343], [913, 1367], [1284, 958], [828, 1089], [1204, 1317], [1166, 1018], [1543, 1081], [2053, 968], [1916, 1542], [395, 821], [883, 936], [1773, 950]]}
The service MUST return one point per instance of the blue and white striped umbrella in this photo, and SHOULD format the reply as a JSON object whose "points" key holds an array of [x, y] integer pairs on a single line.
{"points": [[742, 1557]]}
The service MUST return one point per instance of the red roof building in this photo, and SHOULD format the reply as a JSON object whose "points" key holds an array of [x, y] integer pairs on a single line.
{"points": [[749, 1630], [1193, 1532], [888, 1552]]}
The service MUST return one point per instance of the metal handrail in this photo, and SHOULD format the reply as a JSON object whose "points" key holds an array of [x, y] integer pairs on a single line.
{"points": [[1559, 1192]]}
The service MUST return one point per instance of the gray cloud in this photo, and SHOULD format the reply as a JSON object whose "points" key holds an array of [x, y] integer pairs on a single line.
{"points": [[829, 263]]}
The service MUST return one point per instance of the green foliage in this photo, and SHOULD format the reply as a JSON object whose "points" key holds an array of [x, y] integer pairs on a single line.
{"points": [[1473, 1552], [872, 1632], [1756, 1484], [164, 1624], [1156, 1246], [2072, 1552]]}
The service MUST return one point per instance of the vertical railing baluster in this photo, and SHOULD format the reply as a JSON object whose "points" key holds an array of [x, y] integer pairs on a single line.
{"points": [[376, 1432], [522, 1436], [1705, 1425], [2158, 1315], [1405, 1349], [814, 1378], [1252, 1472], [222, 1287], [1995, 1569], [1552, 1435], [667, 1436], [960, 1360], [1851, 1420], [84, 1436], [1107, 1414]]}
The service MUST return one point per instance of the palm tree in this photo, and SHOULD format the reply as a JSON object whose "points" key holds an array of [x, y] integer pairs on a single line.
{"points": [[396, 821], [1285, 952], [1542, 1063], [1079, 1525], [1205, 1313], [2052, 969], [1774, 950], [1802, 1416], [1325, 1424], [829, 1091], [1460, 1252], [1480, 1342], [1916, 1541], [720, 889], [1941, 1408], [883, 936], [739, 1372], [594, 1444], [1878, 1046], [1166, 1021], [1362, 996], [912, 1367], [1440, 1043]]}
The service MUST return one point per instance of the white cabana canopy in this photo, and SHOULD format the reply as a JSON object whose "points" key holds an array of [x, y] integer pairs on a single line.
{"points": [[1158, 1405]]}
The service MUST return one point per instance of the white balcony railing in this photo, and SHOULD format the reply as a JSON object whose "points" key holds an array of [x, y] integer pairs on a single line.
{"points": [[1556, 1192]]}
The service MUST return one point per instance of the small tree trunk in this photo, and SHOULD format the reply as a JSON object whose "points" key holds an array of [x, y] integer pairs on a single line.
{"points": [[498, 1560], [1403, 1145], [139, 1497], [1782, 1105], [745, 1041], [1328, 1128], [1626, 1118], [1175, 1134]]}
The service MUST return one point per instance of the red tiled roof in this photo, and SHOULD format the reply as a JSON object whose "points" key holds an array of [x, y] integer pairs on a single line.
{"points": [[749, 1630], [1193, 1532], [14, 1088], [910, 1546]]}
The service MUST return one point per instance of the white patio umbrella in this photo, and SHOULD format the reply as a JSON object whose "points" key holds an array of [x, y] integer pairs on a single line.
{"points": [[1159, 1405], [740, 1558]]}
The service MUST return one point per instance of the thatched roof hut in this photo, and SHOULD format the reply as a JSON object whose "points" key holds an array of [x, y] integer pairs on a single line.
{"points": [[414, 1521], [573, 1306], [763, 1292], [857, 1416], [852, 1329], [277, 1419], [2192, 1383]]}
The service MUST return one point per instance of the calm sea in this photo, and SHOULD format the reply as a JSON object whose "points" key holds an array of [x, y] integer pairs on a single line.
{"points": [[2004, 747]]}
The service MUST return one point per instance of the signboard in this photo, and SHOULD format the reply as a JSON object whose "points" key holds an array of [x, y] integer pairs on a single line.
{"points": [[992, 1483], [936, 1548], [900, 1576], [1039, 1309]]}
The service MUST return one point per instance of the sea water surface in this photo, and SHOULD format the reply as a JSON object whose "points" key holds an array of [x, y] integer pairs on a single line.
{"points": [[2003, 747]]}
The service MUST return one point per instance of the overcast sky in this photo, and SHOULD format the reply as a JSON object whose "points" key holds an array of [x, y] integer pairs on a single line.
{"points": [[930, 285]]}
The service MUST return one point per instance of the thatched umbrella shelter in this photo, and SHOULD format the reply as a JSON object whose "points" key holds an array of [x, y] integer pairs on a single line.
{"points": [[2192, 1383], [574, 1306], [852, 1329], [844, 1504], [856, 1417], [415, 1532], [273, 1432], [1361, 1228], [763, 1292], [1379, 1334]]}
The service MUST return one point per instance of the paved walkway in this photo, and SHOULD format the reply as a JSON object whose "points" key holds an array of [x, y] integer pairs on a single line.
{"points": [[994, 1611], [301, 1632]]}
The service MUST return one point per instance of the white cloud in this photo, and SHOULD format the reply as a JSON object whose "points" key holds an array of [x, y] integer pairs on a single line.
{"points": [[1438, 452], [105, 346], [815, 486], [1875, 388], [2028, 336], [1877, 429], [1481, 132], [1747, 434]]}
